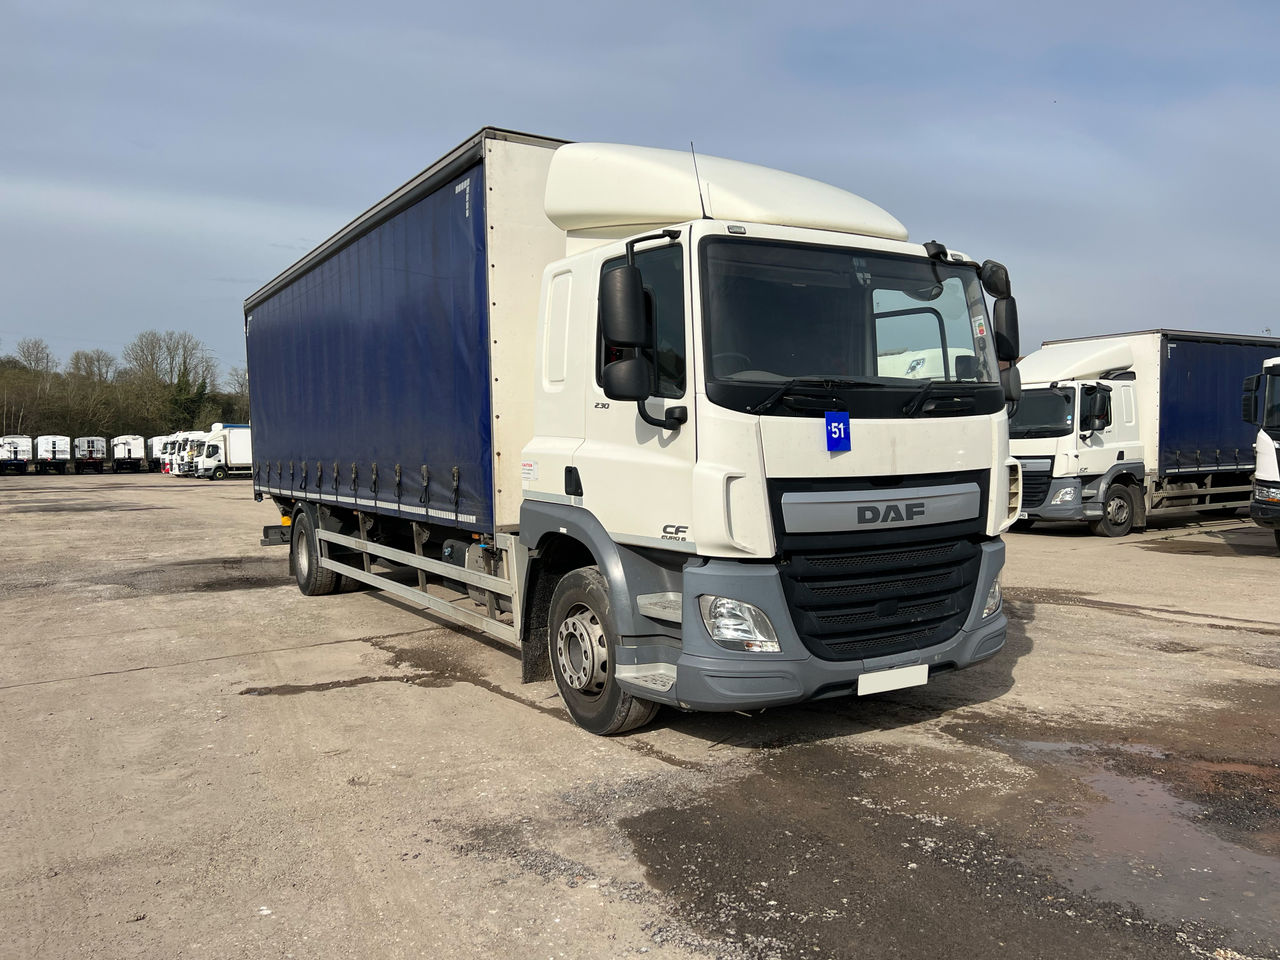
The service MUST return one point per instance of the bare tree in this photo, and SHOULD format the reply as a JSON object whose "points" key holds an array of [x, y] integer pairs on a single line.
{"points": [[173, 357], [95, 365], [36, 355]]}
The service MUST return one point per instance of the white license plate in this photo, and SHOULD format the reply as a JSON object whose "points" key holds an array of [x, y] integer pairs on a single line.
{"points": [[913, 676]]}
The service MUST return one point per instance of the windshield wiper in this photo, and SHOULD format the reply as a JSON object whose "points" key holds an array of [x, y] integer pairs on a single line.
{"points": [[914, 406], [807, 386]]}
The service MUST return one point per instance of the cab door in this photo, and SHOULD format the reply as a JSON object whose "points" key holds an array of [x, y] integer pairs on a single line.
{"points": [[637, 478]]}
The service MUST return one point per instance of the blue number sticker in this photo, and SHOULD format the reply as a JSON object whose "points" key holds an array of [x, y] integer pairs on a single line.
{"points": [[837, 431]]}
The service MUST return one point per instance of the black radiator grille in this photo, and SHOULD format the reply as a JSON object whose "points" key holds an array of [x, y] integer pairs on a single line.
{"points": [[1035, 487], [850, 604]]}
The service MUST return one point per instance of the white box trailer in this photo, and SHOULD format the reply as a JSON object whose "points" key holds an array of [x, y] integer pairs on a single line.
{"points": [[227, 452], [128, 452], [53, 453], [90, 454], [15, 453], [155, 448]]}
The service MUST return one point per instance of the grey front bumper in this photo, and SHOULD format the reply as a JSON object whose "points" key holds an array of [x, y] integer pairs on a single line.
{"points": [[709, 677]]}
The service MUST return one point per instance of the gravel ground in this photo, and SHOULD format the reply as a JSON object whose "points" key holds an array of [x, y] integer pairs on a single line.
{"points": [[197, 761]]}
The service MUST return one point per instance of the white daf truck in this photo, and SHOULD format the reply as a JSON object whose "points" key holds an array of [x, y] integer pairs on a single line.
{"points": [[227, 452], [1264, 506], [659, 415]]}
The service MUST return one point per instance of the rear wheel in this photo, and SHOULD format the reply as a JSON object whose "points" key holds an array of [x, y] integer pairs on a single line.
{"points": [[304, 556], [1277, 533], [1117, 513], [582, 641]]}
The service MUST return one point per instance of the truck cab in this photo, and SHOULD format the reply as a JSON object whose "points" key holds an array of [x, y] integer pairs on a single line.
{"points": [[1264, 506], [1073, 439]]}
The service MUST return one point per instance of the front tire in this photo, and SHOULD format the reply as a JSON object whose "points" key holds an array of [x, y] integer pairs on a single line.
{"points": [[304, 557], [1117, 513], [219, 473], [582, 642]]}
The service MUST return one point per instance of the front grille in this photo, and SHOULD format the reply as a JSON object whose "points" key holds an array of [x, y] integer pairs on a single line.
{"points": [[1035, 487], [850, 604]]}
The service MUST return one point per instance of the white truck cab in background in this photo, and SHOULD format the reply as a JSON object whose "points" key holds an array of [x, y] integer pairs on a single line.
{"points": [[227, 452], [1264, 506], [1111, 430]]}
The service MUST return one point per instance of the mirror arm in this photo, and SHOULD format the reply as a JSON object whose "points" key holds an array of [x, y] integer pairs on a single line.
{"points": [[668, 234], [675, 417]]}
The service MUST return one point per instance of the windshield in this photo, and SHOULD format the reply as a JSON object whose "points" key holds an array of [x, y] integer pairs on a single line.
{"points": [[1271, 402], [1044, 413], [777, 312]]}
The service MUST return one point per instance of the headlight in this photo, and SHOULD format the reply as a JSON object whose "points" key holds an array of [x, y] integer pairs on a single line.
{"points": [[1267, 491], [1065, 495], [736, 625], [992, 606]]}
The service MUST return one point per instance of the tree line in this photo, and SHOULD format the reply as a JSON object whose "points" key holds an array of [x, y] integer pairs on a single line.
{"points": [[161, 383]]}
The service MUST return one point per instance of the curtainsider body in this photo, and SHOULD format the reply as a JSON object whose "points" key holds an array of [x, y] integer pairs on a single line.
{"points": [[1111, 430], [700, 434]]}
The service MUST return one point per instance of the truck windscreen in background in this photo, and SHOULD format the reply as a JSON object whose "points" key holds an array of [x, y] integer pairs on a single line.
{"points": [[1043, 413], [868, 330]]}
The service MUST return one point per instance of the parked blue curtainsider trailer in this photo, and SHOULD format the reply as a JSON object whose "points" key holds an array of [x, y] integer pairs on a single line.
{"points": [[1111, 430]]}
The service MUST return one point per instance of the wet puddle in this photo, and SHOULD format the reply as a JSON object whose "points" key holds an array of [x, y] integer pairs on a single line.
{"points": [[1139, 843]]}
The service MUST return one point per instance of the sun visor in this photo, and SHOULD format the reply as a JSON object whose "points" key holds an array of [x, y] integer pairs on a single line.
{"points": [[598, 187]]}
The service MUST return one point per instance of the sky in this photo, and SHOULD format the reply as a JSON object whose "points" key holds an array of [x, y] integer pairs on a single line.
{"points": [[162, 159]]}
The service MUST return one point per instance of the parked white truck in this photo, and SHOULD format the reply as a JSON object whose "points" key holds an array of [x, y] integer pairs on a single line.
{"points": [[1264, 506], [15, 453], [155, 452], [1111, 430], [128, 452], [651, 411], [227, 452], [90, 454], [53, 453]]}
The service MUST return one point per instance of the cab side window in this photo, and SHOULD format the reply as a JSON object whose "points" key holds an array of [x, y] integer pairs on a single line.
{"points": [[662, 272]]}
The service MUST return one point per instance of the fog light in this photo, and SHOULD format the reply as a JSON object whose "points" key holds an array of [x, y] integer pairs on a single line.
{"points": [[736, 625], [992, 606], [1065, 495]]}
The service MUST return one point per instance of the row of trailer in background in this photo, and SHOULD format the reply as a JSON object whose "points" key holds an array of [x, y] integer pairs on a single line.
{"points": [[223, 451]]}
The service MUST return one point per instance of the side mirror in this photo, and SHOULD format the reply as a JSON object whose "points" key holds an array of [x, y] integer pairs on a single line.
{"points": [[1005, 321], [1249, 401], [995, 279], [629, 379], [1011, 380], [622, 314]]}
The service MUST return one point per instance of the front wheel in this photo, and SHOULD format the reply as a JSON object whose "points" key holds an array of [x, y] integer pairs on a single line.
{"points": [[582, 643], [1117, 513], [219, 472]]}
